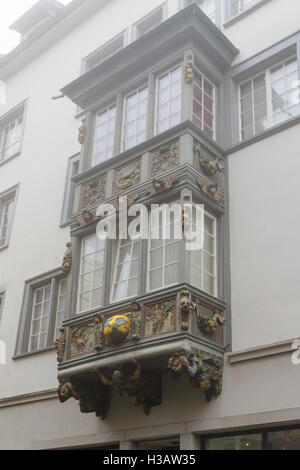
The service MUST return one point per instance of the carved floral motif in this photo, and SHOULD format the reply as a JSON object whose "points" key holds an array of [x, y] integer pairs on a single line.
{"points": [[165, 158], [161, 186], [210, 190], [128, 176], [208, 163], [93, 192], [67, 260], [160, 318]]}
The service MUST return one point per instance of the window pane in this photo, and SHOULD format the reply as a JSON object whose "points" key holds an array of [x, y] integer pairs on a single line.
{"points": [[11, 135], [203, 116], [39, 318], [243, 442], [126, 274], [135, 118], [104, 135], [169, 100], [284, 440]]}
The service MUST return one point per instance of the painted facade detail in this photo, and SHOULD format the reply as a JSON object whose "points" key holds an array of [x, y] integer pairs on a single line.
{"points": [[135, 322], [83, 340], [160, 318], [93, 192], [67, 260], [165, 158], [159, 186], [98, 333], [82, 131], [87, 218], [116, 329], [204, 370], [208, 163], [210, 190], [185, 309], [188, 73], [128, 176], [208, 324], [142, 387], [60, 344]]}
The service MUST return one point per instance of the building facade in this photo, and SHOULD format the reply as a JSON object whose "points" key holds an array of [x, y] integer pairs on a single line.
{"points": [[158, 103]]}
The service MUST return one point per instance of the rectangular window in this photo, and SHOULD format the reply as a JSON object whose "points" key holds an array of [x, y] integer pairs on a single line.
{"points": [[242, 442], [104, 135], [7, 209], [61, 305], [169, 100], [11, 133], [43, 311], [204, 105], [238, 6], [1, 304], [127, 269], [67, 210], [40, 318], [204, 262], [269, 98], [104, 52], [135, 119], [91, 279], [207, 6], [152, 20], [163, 257]]}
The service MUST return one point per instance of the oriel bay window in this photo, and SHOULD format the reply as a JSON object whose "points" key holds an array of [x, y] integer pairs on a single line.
{"points": [[127, 270], [135, 118], [169, 100], [104, 135], [204, 105], [91, 278]]}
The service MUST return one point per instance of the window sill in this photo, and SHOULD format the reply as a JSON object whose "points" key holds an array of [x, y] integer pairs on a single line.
{"points": [[243, 14], [34, 353], [3, 162], [264, 135]]}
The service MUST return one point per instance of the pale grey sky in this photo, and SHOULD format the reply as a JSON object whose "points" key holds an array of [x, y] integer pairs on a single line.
{"points": [[10, 11]]}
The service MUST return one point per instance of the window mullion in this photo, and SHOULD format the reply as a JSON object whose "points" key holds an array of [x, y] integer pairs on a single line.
{"points": [[269, 98]]}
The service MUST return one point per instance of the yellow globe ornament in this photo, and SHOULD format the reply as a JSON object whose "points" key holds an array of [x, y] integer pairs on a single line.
{"points": [[116, 329]]}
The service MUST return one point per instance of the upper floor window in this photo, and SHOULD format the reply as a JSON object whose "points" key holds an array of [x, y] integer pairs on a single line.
{"points": [[169, 100], [72, 170], [11, 133], [207, 6], [104, 52], [91, 279], [135, 119], [43, 311], [204, 105], [104, 135], [1, 304], [150, 21], [269, 98], [127, 270], [238, 6], [7, 209]]}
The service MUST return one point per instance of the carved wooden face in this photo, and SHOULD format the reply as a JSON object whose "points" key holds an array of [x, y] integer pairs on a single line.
{"points": [[185, 304]]}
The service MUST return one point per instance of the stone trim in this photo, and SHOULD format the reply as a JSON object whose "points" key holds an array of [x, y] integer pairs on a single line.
{"points": [[28, 398], [262, 352]]}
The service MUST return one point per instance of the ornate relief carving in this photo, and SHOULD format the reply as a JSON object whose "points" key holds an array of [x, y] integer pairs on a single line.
{"points": [[161, 186], [67, 261], [60, 344], [128, 176], [160, 318], [208, 324], [87, 218], [67, 391], [98, 333], [135, 322], [142, 387], [188, 73], [208, 163], [165, 158], [204, 369], [93, 192], [82, 131], [185, 309], [210, 190], [83, 340]]}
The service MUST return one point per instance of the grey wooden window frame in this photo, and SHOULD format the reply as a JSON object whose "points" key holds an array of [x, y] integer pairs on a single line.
{"points": [[4, 196], [231, 19], [2, 298], [68, 200], [17, 111], [241, 72], [184, 3], [23, 337], [164, 13]]}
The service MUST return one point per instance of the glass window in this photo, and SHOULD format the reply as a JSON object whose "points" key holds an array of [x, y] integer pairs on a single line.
{"points": [[40, 318], [238, 6], [284, 440], [126, 275], [6, 220], [1, 304], [61, 305], [145, 25], [11, 137], [203, 105], [73, 166], [169, 100], [163, 256], [104, 52], [91, 279], [207, 6], [204, 262], [269, 98], [104, 136], [242, 442], [135, 119]]}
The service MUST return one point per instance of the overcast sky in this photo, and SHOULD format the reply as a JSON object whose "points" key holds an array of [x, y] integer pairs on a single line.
{"points": [[10, 11]]}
